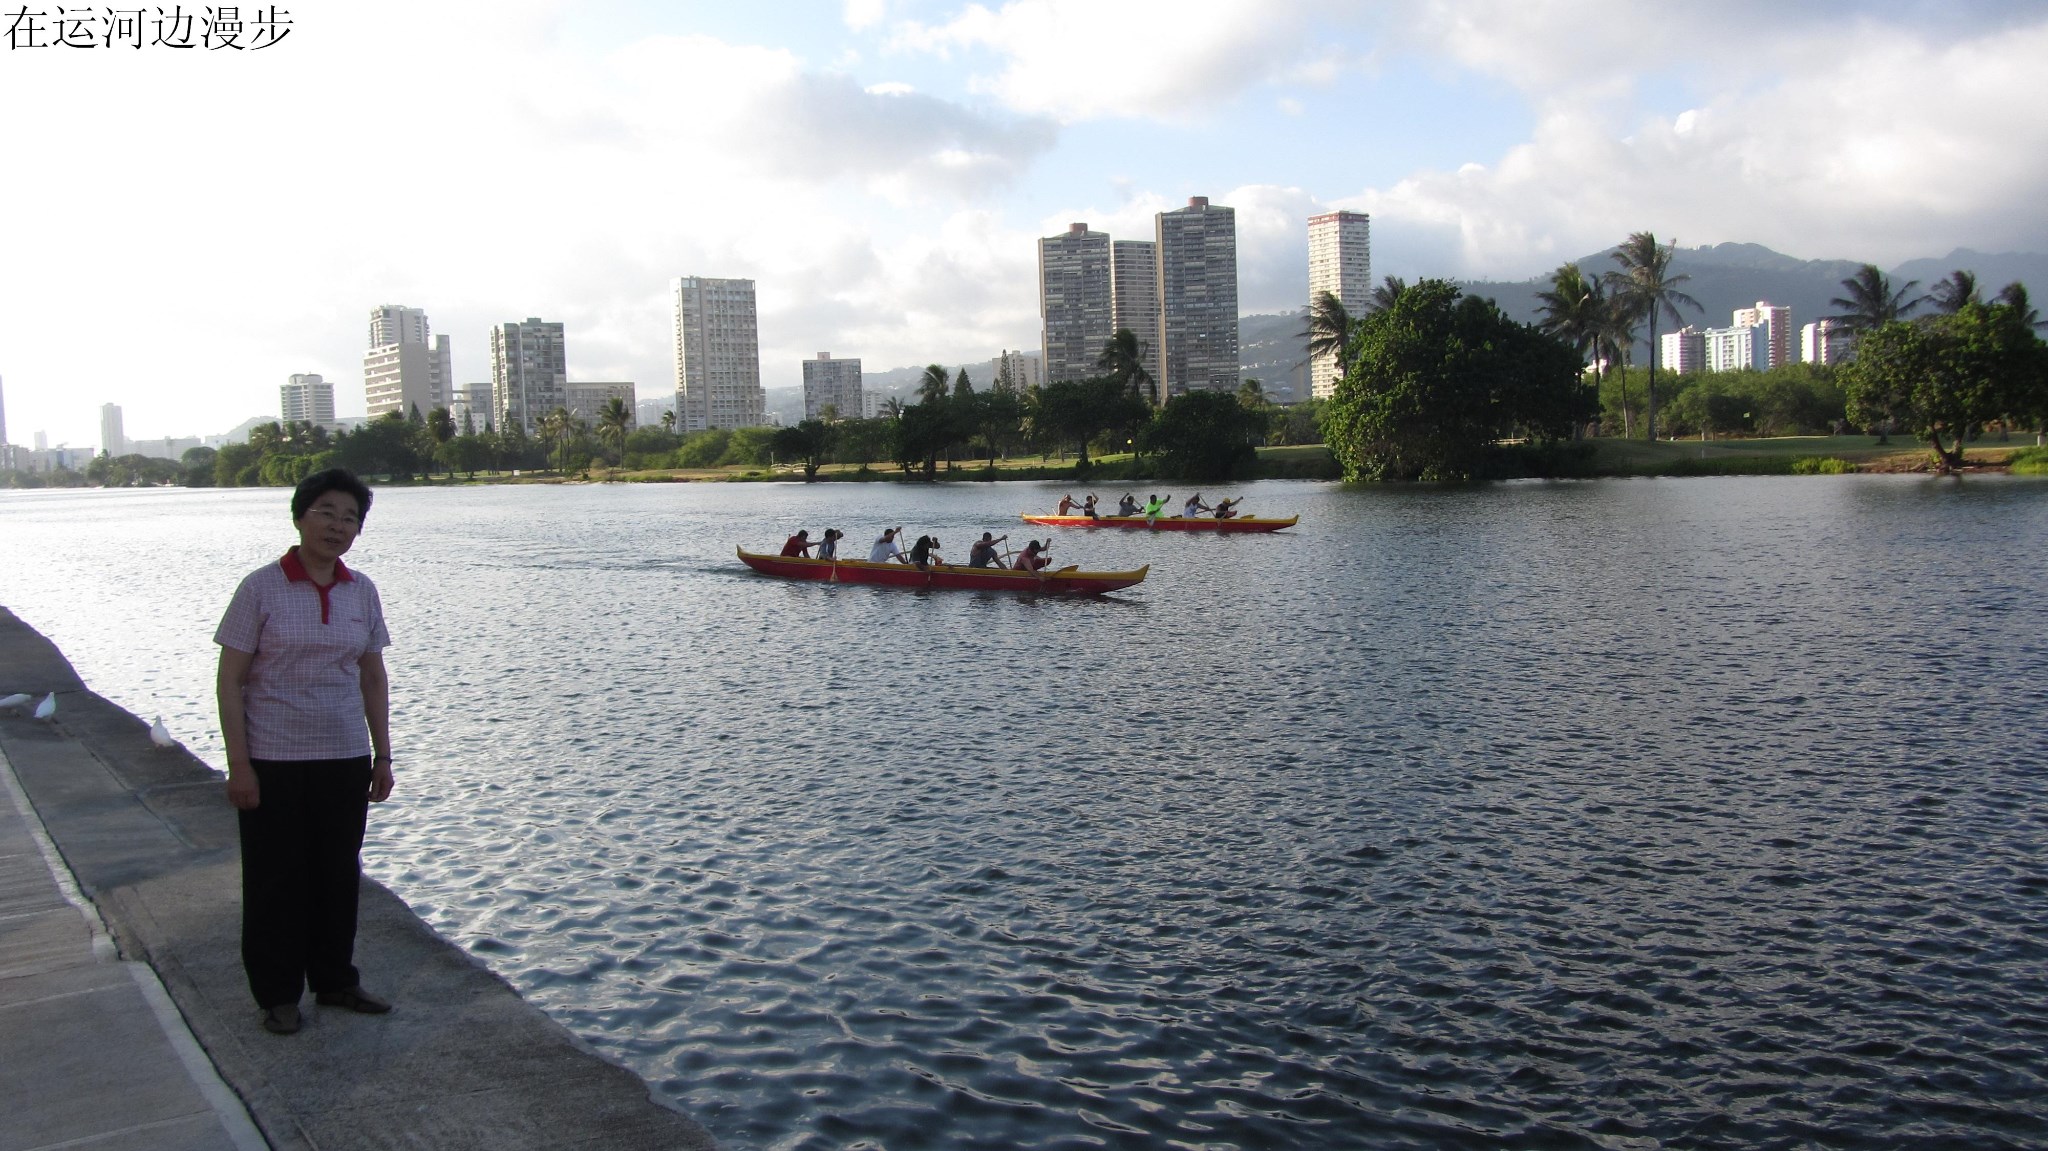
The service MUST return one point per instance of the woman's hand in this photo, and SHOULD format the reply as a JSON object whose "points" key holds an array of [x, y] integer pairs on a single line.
{"points": [[380, 780], [243, 790]]}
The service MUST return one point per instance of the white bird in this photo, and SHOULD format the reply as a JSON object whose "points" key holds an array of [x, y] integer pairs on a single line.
{"points": [[18, 699], [161, 735], [48, 707]]}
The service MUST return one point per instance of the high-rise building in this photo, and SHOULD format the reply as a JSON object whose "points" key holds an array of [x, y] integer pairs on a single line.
{"points": [[1340, 263], [718, 355], [834, 384], [473, 403], [307, 398], [1684, 350], [1197, 253], [112, 440], [529, 371], [1134, 296], [1777, 320], [1733, 348], [1074, 301], [1019, 371], [1826, 342], [586, 401], [405, 369]]}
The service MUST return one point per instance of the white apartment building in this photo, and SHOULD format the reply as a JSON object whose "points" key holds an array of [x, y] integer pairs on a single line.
{"points": [[1074, 302], [1826, 342], [1340, 263], [1134, 296], [1684, 350], [718, 355], [1734, 348], [473, 403], [306, 398], [1023, 371], [586, 401], [405, 368], [529, 371], [113, 440], [1777, 322], [835, 384], [1197, 261]]}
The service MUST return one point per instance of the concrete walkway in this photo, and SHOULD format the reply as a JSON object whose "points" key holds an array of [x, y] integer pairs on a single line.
{"points": [[94, 1050]]}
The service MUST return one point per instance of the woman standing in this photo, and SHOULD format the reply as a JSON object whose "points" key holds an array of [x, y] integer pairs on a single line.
{"points": [[305, 711]]}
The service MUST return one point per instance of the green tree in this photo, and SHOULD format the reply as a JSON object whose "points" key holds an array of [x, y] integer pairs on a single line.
{"points": [[808, 442], [921, 434], [963, 387], [1386, 295], [994, 418], [1329, 329], [1646, 286], [1437, 378], [198, 464], [614, 422], [1954, 291], [1869, 301], [1123, 360], [1205, 435], [933, 384], [1576, 310], [703, 449], [1946, 378], [1079, 411]]}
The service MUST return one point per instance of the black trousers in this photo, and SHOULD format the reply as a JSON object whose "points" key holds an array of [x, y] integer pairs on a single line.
{"points": [[301, 870]]}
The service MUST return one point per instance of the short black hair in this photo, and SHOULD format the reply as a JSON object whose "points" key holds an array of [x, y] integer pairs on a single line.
{"points": [[332, 480]]}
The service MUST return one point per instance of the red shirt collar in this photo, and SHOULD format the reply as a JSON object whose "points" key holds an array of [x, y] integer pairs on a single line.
{"points": [[296, 571]]}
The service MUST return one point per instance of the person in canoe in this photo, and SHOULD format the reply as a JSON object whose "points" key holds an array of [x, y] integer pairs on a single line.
{"points": [[1032, 557], [1227, 509], [1194, 507], [1127, 506], [1088, 507], [828, 548], [983, 553], [1154, 505], [925, 552], [886, 548], [1067, 506], [799, 544]]}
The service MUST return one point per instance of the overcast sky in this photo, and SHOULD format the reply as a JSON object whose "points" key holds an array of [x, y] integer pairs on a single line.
{"points": [[187, 228]]}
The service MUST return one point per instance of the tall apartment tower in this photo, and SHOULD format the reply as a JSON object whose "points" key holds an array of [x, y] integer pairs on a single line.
{"points": [[718, 355], [529, 371], [1340, 263], [832, 383], [308, 398], [1826, 342], [1074, 301], [1134, 296], [1197, 260], [1682, 351], [1777, 340], [113, 440], [406, 367]]}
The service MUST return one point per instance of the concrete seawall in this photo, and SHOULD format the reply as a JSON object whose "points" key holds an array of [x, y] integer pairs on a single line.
{"points": [[150, 839]]}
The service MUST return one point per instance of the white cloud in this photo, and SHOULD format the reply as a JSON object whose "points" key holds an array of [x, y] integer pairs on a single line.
{"points": [[1083, 59]]}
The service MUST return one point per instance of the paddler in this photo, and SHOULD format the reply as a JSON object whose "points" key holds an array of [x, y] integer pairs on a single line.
{"points": [[799, 545], [923, 553], [1030, 559], [1127, 506], [886, 548], [1225, 509], [1154, 505], [983, 553]]}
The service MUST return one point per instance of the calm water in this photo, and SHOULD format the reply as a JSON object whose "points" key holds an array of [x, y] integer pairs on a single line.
{"points": [[1682, 813]]}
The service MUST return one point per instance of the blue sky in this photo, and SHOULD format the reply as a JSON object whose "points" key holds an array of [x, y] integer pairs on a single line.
{"points": [[191, 228]]}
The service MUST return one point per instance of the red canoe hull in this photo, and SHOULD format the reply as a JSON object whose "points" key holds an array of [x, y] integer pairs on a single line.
{"points": [[1065, 581], [1169, 523]]}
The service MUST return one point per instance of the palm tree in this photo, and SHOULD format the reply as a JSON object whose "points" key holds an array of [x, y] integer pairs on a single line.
{"points": [[1386, 295], [2014, 296], [1648, 288], [1871, 302], [892, 408], [1575, 310], [1123, 358], [1617, 327], [934, 384], [668, 421], [555, 429], [1953, 291], [614, 420], [1329, 331]]}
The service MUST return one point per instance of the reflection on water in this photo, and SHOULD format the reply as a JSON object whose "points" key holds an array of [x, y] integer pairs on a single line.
{"points": [[1691, 813]]}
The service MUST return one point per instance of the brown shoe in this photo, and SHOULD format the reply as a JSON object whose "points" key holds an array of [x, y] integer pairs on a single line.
{"points": [[353, 998], [282, 1019]]}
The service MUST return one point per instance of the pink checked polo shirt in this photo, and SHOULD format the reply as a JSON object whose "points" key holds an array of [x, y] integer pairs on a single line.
{"points": [[304, 695]]}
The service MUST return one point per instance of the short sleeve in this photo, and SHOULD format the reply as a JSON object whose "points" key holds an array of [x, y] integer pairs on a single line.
{"points": [[242, 626], [380, 637]]}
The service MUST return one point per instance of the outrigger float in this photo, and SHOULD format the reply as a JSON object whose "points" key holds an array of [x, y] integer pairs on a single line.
{"points": [[1061, 581], [1168, 523]]}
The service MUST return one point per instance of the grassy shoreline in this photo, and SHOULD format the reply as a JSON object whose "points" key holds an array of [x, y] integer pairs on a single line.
{"points": [[1589, 459]]}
